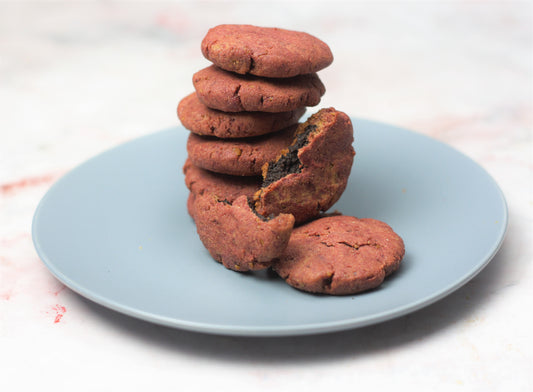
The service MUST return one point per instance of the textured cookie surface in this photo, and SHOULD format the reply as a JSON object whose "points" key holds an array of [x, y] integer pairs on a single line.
{"points": [[200, 119], [241, 157], [230, 92], [311, 175], [265, 51], [225, 187], [238, 238], [340, 255]]}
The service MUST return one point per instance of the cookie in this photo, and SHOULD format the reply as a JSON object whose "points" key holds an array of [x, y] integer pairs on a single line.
{"points": [[200, 119], [190, 204], [340, 255], [311, 175], [265, 51], [230, 92], [238, 238], [239, 157], [198, 181]]}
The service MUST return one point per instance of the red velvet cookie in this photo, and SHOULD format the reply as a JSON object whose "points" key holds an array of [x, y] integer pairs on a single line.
{"points": [[311, 175], [340, 255], [225, 187], [238, 238], [239, 157], [265, 51], [230, 92], [190, 204], [200, 119]]}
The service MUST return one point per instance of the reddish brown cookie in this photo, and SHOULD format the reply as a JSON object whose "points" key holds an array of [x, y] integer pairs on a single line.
{"points": [[311, 175], [200, 119], [229, 92], [265, 51], [239, 157], [225, 187], [238, 238], [340, 255], [190, 204]]}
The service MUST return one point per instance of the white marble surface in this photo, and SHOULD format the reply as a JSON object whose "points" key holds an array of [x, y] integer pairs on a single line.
{"points": [[79, 78]]}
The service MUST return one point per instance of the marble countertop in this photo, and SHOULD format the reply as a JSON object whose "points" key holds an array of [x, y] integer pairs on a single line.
{"points": [[79, 78]]}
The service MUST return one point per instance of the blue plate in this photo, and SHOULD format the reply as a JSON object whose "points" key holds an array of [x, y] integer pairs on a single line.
{"points": [[116, 230]]}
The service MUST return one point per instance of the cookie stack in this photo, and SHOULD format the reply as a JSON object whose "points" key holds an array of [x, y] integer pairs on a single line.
{"points": [[259, 180], [247, 104]]}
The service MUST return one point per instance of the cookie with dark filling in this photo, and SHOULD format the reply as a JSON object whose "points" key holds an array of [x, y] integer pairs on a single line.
{"points": [[236, 236], [311, 174]]}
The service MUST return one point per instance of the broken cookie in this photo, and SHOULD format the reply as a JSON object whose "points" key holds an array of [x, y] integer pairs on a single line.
{"points": [[237, 236], [311, 175]]}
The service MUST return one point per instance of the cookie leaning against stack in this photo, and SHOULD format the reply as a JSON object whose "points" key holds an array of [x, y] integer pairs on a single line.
{"points": [[253, 172]]}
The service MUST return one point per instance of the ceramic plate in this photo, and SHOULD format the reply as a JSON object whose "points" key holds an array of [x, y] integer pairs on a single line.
{"points": [[116, 231]]}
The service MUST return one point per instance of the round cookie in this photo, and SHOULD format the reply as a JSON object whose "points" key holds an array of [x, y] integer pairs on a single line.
{"points": [[340, 255], [265, 51], [230, 92], [311, 175], [200, 119], [226, 187], [239, 157], [238, 238]]}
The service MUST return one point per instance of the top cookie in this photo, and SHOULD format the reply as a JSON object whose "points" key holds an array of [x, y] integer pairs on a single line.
{"points": [[265, 51]]}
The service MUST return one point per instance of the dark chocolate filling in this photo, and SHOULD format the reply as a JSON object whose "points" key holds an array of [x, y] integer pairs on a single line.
{"points": [[262, 217], [288, 163], [252, 207]]}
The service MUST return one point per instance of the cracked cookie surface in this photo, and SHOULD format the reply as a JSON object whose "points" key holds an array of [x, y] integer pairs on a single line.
{"points": [[340, 255], [236, 236], [239, 157], [230, 92], [265, 51], [201, 120]]}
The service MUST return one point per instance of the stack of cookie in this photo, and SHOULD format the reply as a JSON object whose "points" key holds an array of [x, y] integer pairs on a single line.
{"points": [[247, 104], [254, 172]]}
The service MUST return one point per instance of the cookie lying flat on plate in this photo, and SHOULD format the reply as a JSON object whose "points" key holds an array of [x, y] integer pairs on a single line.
{"points": [[340, 255], [311, 175], [226, 187], [265, 51], [239, 157], [229, 92], [238, 238], [200, 119]]}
